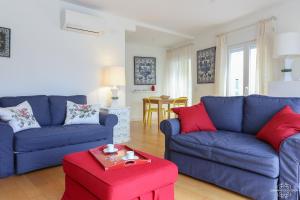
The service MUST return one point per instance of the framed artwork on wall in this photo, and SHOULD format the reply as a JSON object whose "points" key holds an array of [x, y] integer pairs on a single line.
{"points": [[4, 42], [144, 70], [206, 61]]}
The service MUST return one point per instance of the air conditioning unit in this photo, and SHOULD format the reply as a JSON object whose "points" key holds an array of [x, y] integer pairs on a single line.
{"points": [[82, 23]]}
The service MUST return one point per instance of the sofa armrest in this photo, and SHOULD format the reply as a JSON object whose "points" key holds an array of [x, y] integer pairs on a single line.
{"points": [[109, 120], [170, 127], [290, 165], [6, 150]]}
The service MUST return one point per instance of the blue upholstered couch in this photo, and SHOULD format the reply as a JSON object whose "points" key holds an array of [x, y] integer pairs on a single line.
{"points": [[232, 157], [43, 147]]}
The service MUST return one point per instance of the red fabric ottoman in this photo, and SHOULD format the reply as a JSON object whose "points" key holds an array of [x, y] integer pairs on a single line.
{"points": [[87, 180]]}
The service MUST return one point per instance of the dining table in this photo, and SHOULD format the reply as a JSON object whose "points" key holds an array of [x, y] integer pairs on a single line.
{"points": [[160, 102]]}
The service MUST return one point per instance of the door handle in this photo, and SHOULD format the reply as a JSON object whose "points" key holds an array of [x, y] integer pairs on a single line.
{"points": [[246, 91]]}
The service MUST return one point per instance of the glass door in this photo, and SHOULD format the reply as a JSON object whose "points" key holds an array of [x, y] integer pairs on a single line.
{"points": [[242, 69]]}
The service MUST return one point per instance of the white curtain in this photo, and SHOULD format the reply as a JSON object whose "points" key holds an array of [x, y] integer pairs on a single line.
{"points": [[221, 66], [264, 61], [179, 76]]}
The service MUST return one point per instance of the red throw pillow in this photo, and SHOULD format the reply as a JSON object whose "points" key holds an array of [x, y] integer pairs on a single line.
{"points": [[194, 118], [283, 124]]}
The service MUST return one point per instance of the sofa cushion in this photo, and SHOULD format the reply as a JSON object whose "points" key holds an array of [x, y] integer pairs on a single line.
{"points": [[283, 124], [82, 114], [19, 117], [194, 118], [258, 110], [243, 151], [39, 104], [58, 107], [58, 136], [225, 112]]}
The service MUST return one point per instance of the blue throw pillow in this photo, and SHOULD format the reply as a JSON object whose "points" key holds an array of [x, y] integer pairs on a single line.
{"points": [[39, 104], [260, 109], [225, 112], [58, 106]]}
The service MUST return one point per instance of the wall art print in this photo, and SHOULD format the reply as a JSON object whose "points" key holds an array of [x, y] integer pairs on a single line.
{"points": [[4, 42], [144, 70], [206, 61]]}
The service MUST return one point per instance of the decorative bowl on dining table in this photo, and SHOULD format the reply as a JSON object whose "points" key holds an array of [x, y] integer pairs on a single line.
{"points": [[164, 97]]}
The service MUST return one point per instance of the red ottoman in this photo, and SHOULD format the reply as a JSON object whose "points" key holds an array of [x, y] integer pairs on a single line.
{"points": [[87, 180]]}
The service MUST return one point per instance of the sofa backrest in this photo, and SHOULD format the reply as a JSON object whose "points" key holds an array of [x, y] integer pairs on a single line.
{"points": [[39, 104], [58, 106], [258, 110], [225, 112]]}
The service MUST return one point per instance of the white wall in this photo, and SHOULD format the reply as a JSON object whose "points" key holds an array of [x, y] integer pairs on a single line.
{"points": [[134, 99], [48, 60], [287, 15]]}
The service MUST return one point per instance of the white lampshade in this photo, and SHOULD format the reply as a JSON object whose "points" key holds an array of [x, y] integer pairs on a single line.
{"points": [[287, 44], [113, 76]]}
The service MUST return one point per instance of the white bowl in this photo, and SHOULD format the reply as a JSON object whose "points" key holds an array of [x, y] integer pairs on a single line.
{"points": [[125, 158], [107, 151]]}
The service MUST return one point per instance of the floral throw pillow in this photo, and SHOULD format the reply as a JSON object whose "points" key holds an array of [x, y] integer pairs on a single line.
{"points": [[19, 117], [82, 114]]}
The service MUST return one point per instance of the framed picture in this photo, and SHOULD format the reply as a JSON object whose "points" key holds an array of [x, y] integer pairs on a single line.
{"points": [[144, 70], [206, 61], [4, 42]]}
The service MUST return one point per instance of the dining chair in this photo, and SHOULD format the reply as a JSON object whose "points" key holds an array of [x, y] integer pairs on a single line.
{"points": [[178, 102], [150, 109]]}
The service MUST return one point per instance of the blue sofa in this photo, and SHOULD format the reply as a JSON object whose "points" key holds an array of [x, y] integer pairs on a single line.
{"points": [[232, 157], [33, 149]]}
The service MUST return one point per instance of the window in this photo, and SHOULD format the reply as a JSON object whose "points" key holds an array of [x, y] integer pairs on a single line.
{"points": [[242, 69], [179, 71]]}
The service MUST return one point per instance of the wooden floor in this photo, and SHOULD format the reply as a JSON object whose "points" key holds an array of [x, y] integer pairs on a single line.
{"points": [[48, 184]]}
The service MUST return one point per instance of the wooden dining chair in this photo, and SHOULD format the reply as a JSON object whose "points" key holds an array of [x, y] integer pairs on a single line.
{"points": [[178, 102], [150, 109]]}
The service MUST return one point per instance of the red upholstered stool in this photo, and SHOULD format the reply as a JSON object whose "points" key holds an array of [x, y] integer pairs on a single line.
{"points": [[87, 180]]}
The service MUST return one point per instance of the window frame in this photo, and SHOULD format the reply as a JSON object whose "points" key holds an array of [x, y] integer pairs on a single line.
{"points": [[246, 48]]}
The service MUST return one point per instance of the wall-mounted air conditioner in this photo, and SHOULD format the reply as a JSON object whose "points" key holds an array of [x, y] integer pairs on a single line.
{"points": [[82, 23]]}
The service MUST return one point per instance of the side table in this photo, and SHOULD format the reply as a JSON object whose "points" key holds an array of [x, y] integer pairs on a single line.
{"points": [[122, 129]]}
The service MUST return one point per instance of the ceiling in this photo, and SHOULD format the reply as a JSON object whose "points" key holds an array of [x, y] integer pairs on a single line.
{"points": [[150, 37], [183, 16]]}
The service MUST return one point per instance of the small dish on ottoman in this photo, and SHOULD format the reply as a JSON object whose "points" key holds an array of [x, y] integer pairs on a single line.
{"points": [[86, 179]]}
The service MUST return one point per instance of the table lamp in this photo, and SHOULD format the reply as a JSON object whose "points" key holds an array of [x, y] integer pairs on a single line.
{"points": [[113, 77], [287, 46]]}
